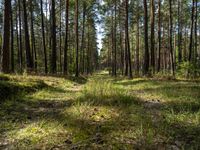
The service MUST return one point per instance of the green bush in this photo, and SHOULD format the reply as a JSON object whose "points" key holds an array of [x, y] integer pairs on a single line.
{"points": [[187, 69]]}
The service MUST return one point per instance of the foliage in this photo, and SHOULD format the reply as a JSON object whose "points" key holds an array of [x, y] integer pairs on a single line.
{"points": [[187, 69]]}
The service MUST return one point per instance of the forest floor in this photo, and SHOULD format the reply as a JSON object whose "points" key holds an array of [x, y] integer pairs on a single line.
{"points": [[100, 112]]}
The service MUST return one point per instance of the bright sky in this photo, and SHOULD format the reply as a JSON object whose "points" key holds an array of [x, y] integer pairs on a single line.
{"points": [[100, 30], [99, 36]]}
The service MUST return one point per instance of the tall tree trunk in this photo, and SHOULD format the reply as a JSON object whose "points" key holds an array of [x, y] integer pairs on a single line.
{"points": [[146, 54], [6, 37], [191, 31], [112, 42], [83, 40], [12, 41], [17, 33], [138, 41], [53, 38], [20, 36], [128, 42], [33, 47], [60, 37], [43, 37], [29, 61], [121, 42], [115, 41], [152, 36], [65, 65], [159, 35], [179, 32], [76, 38], [195, 32], [170, 37], [88, 49]]}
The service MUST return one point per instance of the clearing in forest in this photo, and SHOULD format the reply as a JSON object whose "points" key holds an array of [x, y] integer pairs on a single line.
{"points": [[99, 112]]}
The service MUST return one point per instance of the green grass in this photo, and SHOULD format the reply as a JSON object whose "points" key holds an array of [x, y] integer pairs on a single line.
{"points": [[40, 112]]}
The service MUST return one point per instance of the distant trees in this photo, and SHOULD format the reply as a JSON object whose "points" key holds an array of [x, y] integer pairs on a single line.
{"points": [[173, 49], [139, 37]]}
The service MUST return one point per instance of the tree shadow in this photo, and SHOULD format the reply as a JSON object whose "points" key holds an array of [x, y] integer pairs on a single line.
{"points": [[105, 134]]}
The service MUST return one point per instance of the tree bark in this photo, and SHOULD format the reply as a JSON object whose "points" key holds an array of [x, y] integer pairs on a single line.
{"points": [[29, 61], [65, 65], [191, 31], [146, 55], [6, 37], [76, 38], [53, 38], [152, 36], [159, 35], [128, 42], [170, 37], [43, 37]]}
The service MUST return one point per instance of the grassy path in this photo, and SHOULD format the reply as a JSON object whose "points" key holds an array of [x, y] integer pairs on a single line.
{"points": [[98, 113]]}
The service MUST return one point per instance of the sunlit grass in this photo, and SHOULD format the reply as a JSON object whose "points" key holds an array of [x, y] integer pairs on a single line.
{"points": [[104, 113]]}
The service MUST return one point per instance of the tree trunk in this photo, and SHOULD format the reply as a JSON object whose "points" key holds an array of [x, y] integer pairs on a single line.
{"points": [[159, 35], [83, 41], [12, 41], [20, 36], [195, 32], [6, 37], [179, 32], [76, 38], [65, 65], [152, 36], [191, 31], [53, 38], [128, 42], [170, 36], [43, 37], [115, 41], [146, 54], [34, 53], [60, 36], [29, 61], [138, 42]]}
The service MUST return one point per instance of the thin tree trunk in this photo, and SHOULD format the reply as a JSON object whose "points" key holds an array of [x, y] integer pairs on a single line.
{"points": [[12, 41], [34, 53], [195, 32], [191, 31], [146, 54], [76, 38], [53, 38], [65, 65], [29, 61], [115, 41], [159, 35], [6, 37], [179, 32], [60, 36], [20, 36], [43, 37], [138, 42], [128, 42], [83, 40], [152, 36], [170, 36]]}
